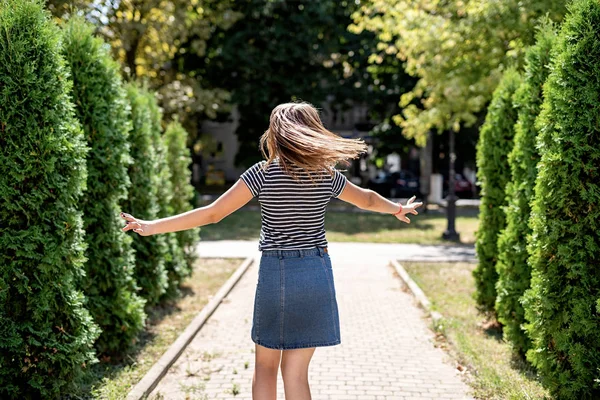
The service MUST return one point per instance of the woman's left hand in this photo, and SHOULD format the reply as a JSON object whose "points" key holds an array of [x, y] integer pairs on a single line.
{"points": [[143, 228], [409, 208]]}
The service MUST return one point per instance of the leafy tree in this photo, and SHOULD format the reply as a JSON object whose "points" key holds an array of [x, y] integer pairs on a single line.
{"points": [[514, 274], [317, 61], [103, 110], [142, 201], [493, 171], [46, 333], [179, 159], [457, 49], [175, 263], [562, 306], [147, 36], [382, 84]]}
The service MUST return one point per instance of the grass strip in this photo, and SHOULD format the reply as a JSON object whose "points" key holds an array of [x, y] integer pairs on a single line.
{"points": [[355, 227], [113, 379], [473, 340]]}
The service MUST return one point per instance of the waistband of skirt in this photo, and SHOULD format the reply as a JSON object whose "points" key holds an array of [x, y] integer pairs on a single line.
{"points": [[320, 251]]}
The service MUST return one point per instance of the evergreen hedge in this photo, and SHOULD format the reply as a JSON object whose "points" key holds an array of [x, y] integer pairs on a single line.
{"points": [[562, 306], [103, 111], [513, 270], [175, 263], [493, 172], [46, 333], [179, 159], [142, 199]]}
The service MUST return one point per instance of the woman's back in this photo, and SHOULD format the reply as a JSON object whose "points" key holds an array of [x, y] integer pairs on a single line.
{"points": [[292, 211], [295, 305]]}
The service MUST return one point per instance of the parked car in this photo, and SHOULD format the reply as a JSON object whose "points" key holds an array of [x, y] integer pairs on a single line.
{"points": [[400, 184], [380, 184], [462, 187]]}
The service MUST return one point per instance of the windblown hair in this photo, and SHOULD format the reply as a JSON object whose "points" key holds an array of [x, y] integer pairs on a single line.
{"points": [[297, 136]]}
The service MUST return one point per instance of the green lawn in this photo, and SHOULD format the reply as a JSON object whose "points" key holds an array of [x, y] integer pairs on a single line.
{"points": [[477, 344], [355, 227], [113, 380]]}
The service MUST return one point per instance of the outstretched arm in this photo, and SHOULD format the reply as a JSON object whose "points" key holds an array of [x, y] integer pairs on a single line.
{"points": [[230, 201], [373, 201]]}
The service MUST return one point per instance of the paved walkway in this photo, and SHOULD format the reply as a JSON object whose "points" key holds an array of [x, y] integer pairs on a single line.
{"points": [[402, 252], [386, 352]]}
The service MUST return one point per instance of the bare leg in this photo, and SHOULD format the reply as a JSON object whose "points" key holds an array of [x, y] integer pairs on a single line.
{"points": [[264, 381], [294, 369]]}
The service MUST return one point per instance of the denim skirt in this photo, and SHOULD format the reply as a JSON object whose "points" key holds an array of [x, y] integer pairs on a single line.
{"points": [[295, 302]]}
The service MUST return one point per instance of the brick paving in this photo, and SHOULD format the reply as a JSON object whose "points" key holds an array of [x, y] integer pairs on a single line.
{"points": [[387, 349]]}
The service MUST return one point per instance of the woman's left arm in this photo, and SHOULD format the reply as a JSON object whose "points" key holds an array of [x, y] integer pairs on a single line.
{"points": [[233, 199]]}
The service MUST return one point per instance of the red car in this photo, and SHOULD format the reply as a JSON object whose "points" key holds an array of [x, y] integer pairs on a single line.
{"points": [[462, 187]]}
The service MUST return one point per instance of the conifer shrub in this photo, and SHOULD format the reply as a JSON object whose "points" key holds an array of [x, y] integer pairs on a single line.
{"points": [[514, 274], [493, 172], [46, 333], [142, 201], [562, 306], [179, 159], [175, 263], [103, 111]]}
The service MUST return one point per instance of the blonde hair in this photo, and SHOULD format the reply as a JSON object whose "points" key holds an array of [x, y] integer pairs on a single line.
{"points": [[297, 136]]}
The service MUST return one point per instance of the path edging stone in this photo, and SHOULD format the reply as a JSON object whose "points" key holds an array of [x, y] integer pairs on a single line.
{"points": [[145, 386], [417, 292]]}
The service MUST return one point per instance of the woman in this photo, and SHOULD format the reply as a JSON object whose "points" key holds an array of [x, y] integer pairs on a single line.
{"points": [[295, 308]]}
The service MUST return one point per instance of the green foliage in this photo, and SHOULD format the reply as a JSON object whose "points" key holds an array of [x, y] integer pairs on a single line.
{"points": [[457, 50], [103, 111], [514, 274], [175, 264], [179, 159], [561, 306], [46, 333], [493, 172], [147, 37], [142, 199], [317, 61]]}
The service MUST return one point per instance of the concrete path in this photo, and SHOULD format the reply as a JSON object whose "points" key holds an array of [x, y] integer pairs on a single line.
{"points": [[402, 252], [386, 352]]}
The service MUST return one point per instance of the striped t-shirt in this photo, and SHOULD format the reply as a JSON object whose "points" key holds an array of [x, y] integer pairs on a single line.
{"points": [[292, 212]]}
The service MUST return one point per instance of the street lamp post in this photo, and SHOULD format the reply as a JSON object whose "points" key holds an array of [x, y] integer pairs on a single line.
{"points": [[450, 233]]}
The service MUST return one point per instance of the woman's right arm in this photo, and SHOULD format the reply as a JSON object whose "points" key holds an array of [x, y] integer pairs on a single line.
{"points": [[234, 198], [367, 199]]}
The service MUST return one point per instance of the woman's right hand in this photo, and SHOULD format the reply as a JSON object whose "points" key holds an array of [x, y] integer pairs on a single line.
{"points": [[140, 226], [409, 208]]}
